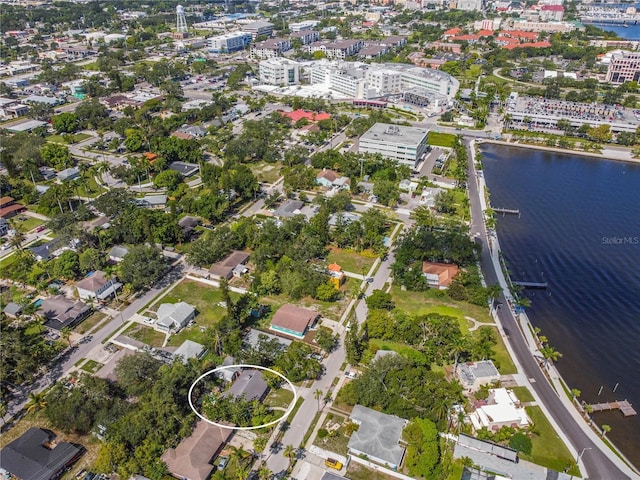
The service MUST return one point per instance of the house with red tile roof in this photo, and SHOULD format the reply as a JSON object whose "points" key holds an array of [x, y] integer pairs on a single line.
{"points": [[311, 116]]}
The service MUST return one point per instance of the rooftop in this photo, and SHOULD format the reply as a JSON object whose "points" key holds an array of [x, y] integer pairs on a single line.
{"points": [[250, 385], [294, 318], [378, 436], [396, 134]]}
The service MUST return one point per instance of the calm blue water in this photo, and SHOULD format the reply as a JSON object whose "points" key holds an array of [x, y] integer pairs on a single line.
{"points": [[632, 32], [579, 230]]}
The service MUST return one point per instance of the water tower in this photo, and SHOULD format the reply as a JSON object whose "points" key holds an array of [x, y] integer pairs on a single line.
{"points": [[182, 20]]}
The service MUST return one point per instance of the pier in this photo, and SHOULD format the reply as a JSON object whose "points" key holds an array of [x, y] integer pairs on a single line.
{"points": [[624, 406], [532, 285], [504, 211]]}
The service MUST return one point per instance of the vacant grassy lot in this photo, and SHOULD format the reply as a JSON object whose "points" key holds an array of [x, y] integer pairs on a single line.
{"points": [[438, 139], [145, 335], [360, 472], [90, 322], [266, 172], [435, 301], [337, 440], [351, 261], [91, 366], [548, 449], [280, 397], [73, 138], [28, 224]]}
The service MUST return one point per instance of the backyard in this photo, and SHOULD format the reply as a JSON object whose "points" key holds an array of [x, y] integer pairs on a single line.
{"points": [[351, 261], [266, 172], [145, 334]]}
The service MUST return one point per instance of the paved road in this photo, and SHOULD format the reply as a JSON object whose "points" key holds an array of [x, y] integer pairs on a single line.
{"points": [[598, 465], [82, 350]]}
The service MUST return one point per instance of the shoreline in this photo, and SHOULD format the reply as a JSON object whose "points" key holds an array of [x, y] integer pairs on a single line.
{"points": [[526, 327], [565, 151]]}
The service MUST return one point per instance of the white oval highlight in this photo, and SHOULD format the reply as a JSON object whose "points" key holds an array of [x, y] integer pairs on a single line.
{"points": [[243, 365]]}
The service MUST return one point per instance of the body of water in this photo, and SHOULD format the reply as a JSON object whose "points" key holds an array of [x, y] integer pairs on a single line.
{"points": [[579, 230], [631, 32]]}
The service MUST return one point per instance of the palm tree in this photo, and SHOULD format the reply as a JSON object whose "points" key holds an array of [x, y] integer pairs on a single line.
{"points": [[37, 401], [290, 453], [550, 354], [18, 236], [317, 394], [605, 429], [264, 473], [65, 333], [575, 393]]}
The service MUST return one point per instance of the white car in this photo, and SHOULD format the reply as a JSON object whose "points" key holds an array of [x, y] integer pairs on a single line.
{"points": [[5, 246]]}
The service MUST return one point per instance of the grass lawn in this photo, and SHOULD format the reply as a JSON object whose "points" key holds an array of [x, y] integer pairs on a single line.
{"points": [[90, 322], [350, 261], [523, 394], [548, 449], [440, 139], [266, 172], [145, 335], [91, 366], [205, 299], [360, 472], [78, 137], [280, 397], [501, 357], [334, 442], [29, 224], [89, 187], [7, 261]]}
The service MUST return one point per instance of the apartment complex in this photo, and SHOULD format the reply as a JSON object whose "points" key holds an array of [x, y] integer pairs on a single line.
{"points": [[404, 144], [624, 67], [273, 47], [229, 42], [303, 26], [279, 71]]}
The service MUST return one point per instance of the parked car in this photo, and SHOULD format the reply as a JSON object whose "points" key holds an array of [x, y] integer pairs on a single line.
{"points": [[41, 228]]}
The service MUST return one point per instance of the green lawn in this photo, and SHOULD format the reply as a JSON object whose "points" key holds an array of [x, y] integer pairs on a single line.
{"points": [[90, 322], [351, 261], [88, 186], [29, 224], [91, 366], [523, 394], [548, 449], [360, 472], [440, 139], [205, 299], [145, 335], [75, 138], [280, 397]]}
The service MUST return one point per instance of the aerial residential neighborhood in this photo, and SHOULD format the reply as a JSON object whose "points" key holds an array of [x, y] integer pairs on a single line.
{"points": [[255, 240]]}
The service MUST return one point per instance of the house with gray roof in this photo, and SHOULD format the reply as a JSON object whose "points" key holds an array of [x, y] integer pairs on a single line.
{"points": [[225, 268], [249, 385], [44, 251], [34, 456], [62, 312], [174, 316], [189, 349], [68, 174], [185, 169], [254, 336], [384, 353], [12, 310], [97, 286], [152, 201], [117, 253], [378, 437], [289, 209], [473, 375]]}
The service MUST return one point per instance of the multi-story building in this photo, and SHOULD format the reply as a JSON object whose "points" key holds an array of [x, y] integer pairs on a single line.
{"points": [[551, 27], [279, 71], [274, 47], [303, 26], [624, 67], [384, 80], [229, 42], [340, 49], [468, 5], [551, 13], [406, 145], [305, 36], [258, 28]]}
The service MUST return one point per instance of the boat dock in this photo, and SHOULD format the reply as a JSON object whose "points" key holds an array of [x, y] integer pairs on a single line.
{"points": [[624, 406], [504, 211], [533, 285]]}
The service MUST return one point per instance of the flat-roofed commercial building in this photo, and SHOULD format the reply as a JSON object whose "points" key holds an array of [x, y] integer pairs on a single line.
{"points": [[229, 42], [259, 28], [279, 71], [404, 144], [624, 67]]}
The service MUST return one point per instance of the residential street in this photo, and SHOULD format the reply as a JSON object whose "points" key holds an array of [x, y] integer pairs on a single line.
{"points": [[599, 461]]}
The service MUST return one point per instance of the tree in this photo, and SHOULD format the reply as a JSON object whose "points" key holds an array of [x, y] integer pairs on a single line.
{"points": [[605, 429], [37, 401], [326, 292], [65, 333], [114, 202], [325, 338], [56, 155], [380, 300], [67, 265], [91, 260], [550, 354], [66, 122], [317, 394], [290, 453], [520, 442], [387, 191], [137, 373], [601, 133], [354, 343], [142, 266], [423, 449], [169, 179]]}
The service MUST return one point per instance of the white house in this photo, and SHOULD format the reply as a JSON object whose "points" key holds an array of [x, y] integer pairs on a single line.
{"points": [[174, 316], [97, 286], [502, 409]]}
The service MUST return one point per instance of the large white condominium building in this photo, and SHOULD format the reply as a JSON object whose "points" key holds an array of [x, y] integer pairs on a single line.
{"points": [[229, 42], [407, 145], [624, 67]]}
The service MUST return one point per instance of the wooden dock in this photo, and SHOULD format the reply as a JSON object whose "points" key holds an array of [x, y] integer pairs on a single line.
{"points": [[624, 406], [534, 285], [507, 210]]}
